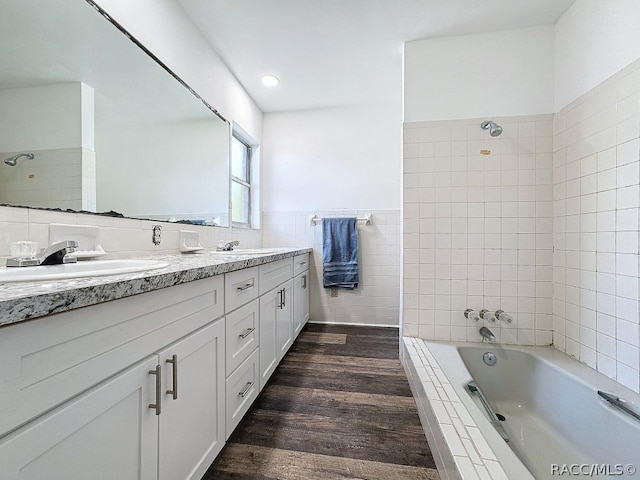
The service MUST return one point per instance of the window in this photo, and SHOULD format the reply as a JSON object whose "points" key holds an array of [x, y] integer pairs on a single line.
{"points": [[240, 182]]}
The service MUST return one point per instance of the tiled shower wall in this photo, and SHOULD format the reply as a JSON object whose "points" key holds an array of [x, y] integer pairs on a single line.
{"points": [[596, 200], [477, 228], [376, 300], [64, 178]]}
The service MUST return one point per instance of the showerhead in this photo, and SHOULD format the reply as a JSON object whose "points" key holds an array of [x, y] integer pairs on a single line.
{"points": [[12, 161], [494, 128]]}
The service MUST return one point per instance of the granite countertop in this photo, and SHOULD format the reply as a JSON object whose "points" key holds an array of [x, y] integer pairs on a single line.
{"points": [[22, 301]]}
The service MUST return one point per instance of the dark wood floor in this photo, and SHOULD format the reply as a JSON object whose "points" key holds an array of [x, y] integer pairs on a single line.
{"points": [[337, 407]]}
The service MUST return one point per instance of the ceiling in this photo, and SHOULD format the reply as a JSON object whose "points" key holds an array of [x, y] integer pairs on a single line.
{"points": [[331, 53]]}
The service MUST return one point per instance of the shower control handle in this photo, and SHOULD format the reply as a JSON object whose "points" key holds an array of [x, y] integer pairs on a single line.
{"points": [[503, 316], [471, 314], [486, 315]]}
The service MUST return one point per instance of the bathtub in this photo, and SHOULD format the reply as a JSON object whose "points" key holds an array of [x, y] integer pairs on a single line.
{"points": [[556, 423]]}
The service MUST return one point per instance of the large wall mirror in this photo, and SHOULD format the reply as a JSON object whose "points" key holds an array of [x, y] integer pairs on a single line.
{"points": [[89, 121]]}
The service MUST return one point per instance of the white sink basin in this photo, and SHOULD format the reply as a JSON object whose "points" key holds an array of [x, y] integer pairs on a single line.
{"points": [[77, 270], [247, 251]]}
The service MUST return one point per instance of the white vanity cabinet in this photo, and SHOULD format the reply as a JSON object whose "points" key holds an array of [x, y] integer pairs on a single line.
{"points": [[147, 387], [276, 325], [76, 388], [192, 427], [300, 292], [107, 433]]}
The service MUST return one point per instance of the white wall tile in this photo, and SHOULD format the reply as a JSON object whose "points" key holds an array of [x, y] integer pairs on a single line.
{"points": [[501, 216], [611, 155]]}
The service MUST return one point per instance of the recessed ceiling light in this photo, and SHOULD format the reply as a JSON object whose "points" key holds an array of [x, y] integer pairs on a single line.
{"points": [[270, 80]]}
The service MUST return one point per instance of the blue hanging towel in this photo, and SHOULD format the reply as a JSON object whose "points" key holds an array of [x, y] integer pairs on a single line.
{"points": [[340, 252]]}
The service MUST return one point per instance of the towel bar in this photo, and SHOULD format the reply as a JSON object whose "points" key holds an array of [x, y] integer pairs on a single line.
{"points": [[314, 220]]}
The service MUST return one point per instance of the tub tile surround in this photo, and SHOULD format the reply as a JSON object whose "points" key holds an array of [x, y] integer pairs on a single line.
{"points": [[596, 204], [546, 228], [376, 300], [477, 228], [458, 447]]}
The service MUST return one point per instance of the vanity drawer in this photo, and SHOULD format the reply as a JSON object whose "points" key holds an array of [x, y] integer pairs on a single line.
{"points": [[47, 361], [240, 287], [242, 334], [300, 263], [241, 390], [274, 274]]}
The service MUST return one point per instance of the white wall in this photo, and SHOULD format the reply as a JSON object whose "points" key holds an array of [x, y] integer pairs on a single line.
{"points": [[593, 40], [43, 118], [164, 28], [333, 158], [165, 179], [492, 74], [339, 162]]}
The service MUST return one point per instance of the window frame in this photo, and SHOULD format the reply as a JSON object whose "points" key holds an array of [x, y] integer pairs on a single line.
{"points": [[235, 136]]}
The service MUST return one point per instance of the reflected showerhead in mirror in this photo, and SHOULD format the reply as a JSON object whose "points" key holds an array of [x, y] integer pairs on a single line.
{"points": [[12, 161], [494, 128]]}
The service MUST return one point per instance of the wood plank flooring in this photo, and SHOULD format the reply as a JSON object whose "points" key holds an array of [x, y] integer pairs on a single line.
{"points": [[337, 407]]}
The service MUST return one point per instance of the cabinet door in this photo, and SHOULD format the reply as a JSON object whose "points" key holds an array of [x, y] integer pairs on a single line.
{"points": [[300, 303], [284, 319], [267, 345], [192, 419], [106, 433]]}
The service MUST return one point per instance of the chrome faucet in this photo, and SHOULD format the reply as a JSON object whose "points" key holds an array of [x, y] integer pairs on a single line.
{"points": [[227, 247], [488, 334], [54, 254]]}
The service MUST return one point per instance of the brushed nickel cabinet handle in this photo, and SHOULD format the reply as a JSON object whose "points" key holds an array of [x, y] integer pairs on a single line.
{"points": [[174, 363], [248, 387], [247, 332], [304, 281], [158, 405], [280, 303], [244, 287], [284, 297], [303, 263]]}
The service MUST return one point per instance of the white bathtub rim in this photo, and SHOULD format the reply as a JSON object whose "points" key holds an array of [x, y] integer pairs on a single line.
{"points": [[446, 353], [557, 360], [501, 454]]}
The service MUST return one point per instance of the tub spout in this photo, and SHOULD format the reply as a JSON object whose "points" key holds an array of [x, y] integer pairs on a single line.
{"points": [[488, 334]]}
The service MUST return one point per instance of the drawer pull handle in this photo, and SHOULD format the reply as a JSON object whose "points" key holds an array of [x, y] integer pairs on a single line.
{"points": [[244, 287], [248, 387], [303, 263], [174, 390], [158, 405], [247, 332]]}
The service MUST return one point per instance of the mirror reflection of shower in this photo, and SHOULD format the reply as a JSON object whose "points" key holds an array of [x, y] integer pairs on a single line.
{"points": [[494, 128], [12, 161]]}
